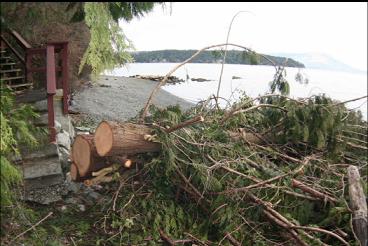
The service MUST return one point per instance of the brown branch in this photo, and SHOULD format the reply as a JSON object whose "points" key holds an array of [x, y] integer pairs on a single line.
{"points": [[297, 184], [322, 231], [232, 240], [232, 113], [352, 100], [32, 227], [166, 238], [186, 123]]}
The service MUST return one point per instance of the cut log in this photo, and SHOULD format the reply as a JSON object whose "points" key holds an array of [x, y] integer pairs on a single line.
{"points": [[358, 205], [85, 157], [112, 138], [74, 174]]}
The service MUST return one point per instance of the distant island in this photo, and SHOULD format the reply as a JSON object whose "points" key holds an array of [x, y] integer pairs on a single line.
{"points": [[321, 61], [232, 57]]}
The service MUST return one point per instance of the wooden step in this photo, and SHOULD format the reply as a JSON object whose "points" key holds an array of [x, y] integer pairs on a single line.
{"points": [[8, 64], [12, 78], [11, 70], [21, 85], [6, 57]]}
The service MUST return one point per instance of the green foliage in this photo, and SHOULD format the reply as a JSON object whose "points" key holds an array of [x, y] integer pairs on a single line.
{"points": [[16, 128], [108, 43]]}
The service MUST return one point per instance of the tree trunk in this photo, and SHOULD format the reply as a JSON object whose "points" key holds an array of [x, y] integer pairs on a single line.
{"points": [[358, 205], [85, 157], [112, 138]]}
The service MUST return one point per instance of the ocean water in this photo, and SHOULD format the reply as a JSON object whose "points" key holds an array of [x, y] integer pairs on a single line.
{"points": [[254, 81]]}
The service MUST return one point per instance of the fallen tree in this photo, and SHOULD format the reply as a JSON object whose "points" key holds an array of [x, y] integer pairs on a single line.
{"points": [[269, 170], [245, 180]]}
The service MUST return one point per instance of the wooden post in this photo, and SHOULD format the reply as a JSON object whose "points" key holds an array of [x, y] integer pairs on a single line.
{"points": [[65, 77], [51, 90], [358, 205]]}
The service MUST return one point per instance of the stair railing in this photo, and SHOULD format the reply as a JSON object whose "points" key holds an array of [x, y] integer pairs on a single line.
{"points": [[51, 70]]}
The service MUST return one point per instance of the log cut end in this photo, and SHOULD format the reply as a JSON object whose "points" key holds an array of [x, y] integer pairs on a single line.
{"points": [[81, 153], [103, 138], [74, 172]]}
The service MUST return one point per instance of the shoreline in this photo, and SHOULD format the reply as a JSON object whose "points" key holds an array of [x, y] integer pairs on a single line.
{"points": [[120, 98]]}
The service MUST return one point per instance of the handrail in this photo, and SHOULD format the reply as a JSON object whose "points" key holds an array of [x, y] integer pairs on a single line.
{"points": [[20, 40], [12, 49]]}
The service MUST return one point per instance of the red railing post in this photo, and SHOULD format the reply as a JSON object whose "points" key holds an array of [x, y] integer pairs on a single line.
{"points": [[65, 78], [51, 90]]}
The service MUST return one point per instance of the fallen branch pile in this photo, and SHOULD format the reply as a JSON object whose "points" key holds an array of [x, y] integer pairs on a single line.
{"points": [[267, 175]]}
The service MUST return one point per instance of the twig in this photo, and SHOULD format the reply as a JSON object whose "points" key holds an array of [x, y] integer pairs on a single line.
{"points": [[322, 231], [166, 238], [225, 53], [297, 184], [186, 123], [32, 227], [249, 109], [232, 240], [352, 100]]}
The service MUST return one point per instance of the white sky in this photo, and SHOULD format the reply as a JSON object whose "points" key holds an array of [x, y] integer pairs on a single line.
{"points": [[335, 29]]}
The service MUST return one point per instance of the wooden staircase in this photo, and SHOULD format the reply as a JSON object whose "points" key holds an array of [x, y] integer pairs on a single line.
{"points": [[12, 72], [42, 168]]}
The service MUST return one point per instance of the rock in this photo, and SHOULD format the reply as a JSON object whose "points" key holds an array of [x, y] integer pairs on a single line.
{"points": [[64, 156], [63, 139], [236, 77], [200, 79], [58, 126], [71, 185], [71, 200], [82, 207], [40, 106]]}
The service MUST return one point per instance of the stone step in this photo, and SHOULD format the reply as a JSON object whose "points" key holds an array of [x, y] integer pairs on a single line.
{"points": [[46, 195], [39, 168], [42, 182], [43, 152]]}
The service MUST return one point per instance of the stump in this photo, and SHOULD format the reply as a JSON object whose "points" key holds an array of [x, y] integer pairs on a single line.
{"points": [[112, 138]]}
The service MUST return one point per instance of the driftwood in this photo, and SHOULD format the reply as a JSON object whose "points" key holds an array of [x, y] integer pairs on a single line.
{"points": [[358, 205]]}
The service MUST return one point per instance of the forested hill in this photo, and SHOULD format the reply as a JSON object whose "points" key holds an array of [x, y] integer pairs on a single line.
{"points": [[232, 57]]}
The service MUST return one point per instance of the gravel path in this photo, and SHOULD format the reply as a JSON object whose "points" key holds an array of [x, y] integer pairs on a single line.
{"points": [[120, 98]]}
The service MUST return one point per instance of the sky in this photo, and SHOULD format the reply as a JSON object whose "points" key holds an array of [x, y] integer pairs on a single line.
{"points": [[336, 29]]}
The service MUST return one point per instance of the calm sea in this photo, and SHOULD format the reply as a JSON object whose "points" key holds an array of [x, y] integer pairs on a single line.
{"points": [[254, 81]]}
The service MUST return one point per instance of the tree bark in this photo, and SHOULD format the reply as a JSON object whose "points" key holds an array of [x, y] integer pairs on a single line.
{"points": [[112, 138], [358, 205], [85, 157]]}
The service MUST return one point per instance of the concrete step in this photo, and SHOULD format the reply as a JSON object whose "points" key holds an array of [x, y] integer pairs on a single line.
{"points": [[42, 182], [39, 168], [43, 152]]}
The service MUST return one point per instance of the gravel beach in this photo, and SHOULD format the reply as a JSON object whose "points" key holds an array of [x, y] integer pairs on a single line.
{"points": [[119, 98]]}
